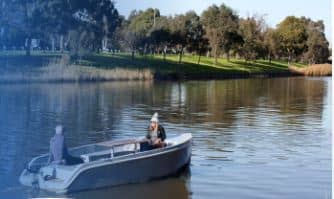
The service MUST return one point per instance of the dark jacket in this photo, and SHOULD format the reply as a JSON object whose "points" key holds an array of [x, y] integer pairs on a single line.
{"points": [[161, 133]]}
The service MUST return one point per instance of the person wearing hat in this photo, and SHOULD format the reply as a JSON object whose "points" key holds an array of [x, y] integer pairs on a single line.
{"points": [[58, 150], [156, 133]]}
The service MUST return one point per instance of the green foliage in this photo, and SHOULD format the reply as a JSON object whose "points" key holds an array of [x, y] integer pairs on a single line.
{"points": [[293, 36], [317, 45], [137, 30], [221, 25], [271, 44], [187, 32], [86, 23], [251, 32], [85, 27]]}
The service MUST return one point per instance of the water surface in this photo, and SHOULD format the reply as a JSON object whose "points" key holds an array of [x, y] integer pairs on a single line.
{"points": [[253, 138]]}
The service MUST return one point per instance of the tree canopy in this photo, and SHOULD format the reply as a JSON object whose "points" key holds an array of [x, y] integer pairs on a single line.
{"points": [[81, 27]]}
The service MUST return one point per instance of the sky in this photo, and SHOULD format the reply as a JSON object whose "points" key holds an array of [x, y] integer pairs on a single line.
{"points": [[273, 10]]}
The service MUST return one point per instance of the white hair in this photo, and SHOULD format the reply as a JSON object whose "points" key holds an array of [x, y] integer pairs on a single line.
{"points": [[59, 129]]}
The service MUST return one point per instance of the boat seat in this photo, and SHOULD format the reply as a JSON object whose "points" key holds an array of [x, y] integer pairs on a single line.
{"points": [[118, 143], [122, 153], [77, 152], [97, 156], [113, 150]]}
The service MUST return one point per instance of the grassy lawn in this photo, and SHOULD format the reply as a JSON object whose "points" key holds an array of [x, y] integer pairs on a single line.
{"points": [[162, 69], [189, 67]]}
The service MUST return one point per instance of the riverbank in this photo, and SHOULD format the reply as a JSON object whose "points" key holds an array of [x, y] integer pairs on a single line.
{"points": [[189, 68], [313, 70], [108, 67]]}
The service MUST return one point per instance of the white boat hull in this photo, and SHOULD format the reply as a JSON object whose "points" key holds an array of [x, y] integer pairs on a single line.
{"points": [[132, 168]]}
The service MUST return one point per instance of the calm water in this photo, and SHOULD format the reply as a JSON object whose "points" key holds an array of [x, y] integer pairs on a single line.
{"points": [[253, 138]]}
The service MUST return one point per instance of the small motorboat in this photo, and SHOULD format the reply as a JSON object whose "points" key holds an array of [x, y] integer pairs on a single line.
{"points": [[110, 163]]}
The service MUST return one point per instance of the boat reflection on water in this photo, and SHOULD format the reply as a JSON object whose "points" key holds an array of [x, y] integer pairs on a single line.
{"points": [[177, 187]]}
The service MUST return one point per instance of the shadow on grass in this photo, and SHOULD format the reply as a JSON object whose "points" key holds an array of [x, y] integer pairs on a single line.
{"points": [[262, 66], [169, 69], [154, 63]]}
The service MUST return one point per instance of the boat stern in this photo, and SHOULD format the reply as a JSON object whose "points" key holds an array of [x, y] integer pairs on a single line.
{"points": [[27, 178]]}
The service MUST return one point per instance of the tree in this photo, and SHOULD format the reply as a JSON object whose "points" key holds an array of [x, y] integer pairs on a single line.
{"points": [[160, 39], [221, 25], [134, 33], [271, 44], [186, 32], [317, 44], [128, 38], [195, 38], [160, 36], [292, 34], [55, 19], [100, 18], [213, 30], [20, 16], [11, 31], [178, 31], [195, 35], [116, 38], [251, 30], [318, 51], [141, 25], [92, 21], [202, 46]]}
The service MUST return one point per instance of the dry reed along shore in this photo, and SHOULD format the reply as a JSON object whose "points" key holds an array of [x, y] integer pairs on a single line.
{"points": [[313, 70], [61, 70]]}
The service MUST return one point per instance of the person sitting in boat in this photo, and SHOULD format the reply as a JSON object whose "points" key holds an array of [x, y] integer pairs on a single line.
{"points": [[58, 150], [156, 133]]}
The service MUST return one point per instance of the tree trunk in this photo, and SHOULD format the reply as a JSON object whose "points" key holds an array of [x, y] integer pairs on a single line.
{"points": [[28, 40], [144, 50], [67, 41], [165, 52], [289, 56], [228, 56], [199, 59], [269, 58], [61, 43], [216, 55], [52, 44], [180, 56], [133, 55], [28, 46]]}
